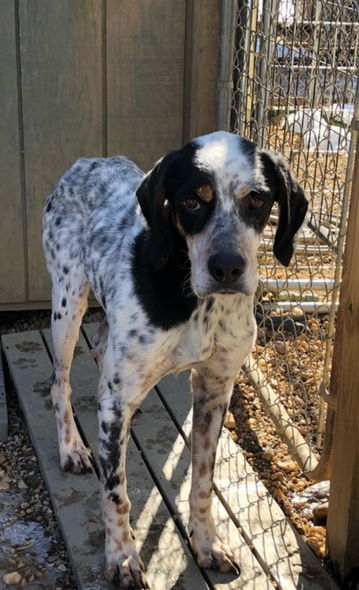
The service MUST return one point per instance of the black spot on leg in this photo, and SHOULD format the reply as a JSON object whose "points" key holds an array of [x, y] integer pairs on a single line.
{"points": [[104, 426], [116, 380], [112, 450], [115, 498], [112, 481], [63, 302], [117, 410], [66, 270], [103, 466], [58, 221], [132, 333]]}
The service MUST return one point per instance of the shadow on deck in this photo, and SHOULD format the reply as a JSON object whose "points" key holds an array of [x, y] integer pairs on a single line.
{"points": [[270, 552]]}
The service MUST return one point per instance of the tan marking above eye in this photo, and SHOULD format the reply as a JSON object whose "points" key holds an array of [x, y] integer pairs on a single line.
{"points": [[205, 192]]}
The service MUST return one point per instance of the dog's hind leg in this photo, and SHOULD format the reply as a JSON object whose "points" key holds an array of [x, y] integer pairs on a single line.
{"points": [[69, 303]]}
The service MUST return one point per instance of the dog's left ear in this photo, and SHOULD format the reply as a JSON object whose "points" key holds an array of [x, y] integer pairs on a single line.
{"points": [[151, 195], [291, 200]]}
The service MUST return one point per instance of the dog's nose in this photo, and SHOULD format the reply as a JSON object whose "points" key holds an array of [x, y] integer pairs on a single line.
{"points": [[226, 267]]}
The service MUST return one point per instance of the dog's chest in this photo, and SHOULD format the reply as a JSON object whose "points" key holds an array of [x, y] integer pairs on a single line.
{"points": [[221, 327]]}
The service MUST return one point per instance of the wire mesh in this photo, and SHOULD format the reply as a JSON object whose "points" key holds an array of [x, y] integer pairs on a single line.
{"points": [[295, 90]]}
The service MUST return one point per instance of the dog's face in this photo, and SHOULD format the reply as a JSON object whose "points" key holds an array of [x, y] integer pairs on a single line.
{"points": [[216, 194]]}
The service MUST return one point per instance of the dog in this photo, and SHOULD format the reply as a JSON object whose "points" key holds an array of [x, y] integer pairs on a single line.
{"points": [[171, 256]]}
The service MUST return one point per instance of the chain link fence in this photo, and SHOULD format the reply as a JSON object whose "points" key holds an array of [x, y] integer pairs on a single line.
{"points": [[295, 90]]}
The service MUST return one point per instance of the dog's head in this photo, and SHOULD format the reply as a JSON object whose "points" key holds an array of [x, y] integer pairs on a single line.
{"points": [[215, 194]]}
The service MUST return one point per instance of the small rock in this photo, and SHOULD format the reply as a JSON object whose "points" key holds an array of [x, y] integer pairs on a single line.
{"points": [[320, 513], [288, 465], [12, 578], [281, 346], [22, 485], [4, 482], [260, 335], [62, 568], [278, 476], [230, 421]]}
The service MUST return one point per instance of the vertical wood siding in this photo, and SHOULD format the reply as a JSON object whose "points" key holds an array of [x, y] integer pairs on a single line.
{"points": [[12, 255], [91, 78]]}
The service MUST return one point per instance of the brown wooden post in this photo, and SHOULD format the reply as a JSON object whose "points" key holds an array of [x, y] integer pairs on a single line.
{"points": [[343, 517]]}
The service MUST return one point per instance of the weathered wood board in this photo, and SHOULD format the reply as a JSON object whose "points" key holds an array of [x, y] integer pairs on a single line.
{"points": [[61, 77], [12, 218], [159, 475], [154, 526], [75, 499], [343, 516], [278, 547], [92, 78], [145, 43]]}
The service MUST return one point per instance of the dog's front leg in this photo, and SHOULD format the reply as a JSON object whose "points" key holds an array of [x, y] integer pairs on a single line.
{"points": [[211, 394], [124, 566]]}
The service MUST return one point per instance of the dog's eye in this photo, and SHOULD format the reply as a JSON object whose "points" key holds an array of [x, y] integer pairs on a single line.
{"points": [[191, 204], [255, 201]]}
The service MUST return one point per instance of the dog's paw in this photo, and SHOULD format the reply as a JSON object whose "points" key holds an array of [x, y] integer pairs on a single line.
{"points": [[127, 572], [214, 554], [76, 457]]}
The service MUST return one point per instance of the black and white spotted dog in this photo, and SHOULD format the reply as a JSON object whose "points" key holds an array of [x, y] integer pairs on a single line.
{"points": [[171, 257]]}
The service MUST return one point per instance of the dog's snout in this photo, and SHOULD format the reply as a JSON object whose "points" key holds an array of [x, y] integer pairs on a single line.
{"points": [[226, 267]]}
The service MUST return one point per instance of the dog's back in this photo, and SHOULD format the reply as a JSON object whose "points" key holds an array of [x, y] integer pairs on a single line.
{"points": [[90, 215]]}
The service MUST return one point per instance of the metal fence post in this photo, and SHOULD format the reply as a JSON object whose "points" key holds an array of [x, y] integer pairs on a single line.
{"points": [[226, 56]]}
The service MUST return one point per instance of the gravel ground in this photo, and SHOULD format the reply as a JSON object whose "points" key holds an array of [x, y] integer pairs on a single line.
{"points": [[32, 552]]}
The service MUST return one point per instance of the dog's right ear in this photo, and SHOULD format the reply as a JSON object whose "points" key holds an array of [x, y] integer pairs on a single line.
{"points": [[152, 197]]}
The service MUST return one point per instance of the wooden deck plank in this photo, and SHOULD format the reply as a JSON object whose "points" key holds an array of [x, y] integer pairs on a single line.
{"points": [[279, 549], [169, 458], [278, 545], [169, 563], [75, 499]]}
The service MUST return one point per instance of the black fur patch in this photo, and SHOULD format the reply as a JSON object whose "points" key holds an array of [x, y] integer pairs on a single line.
{"points": [[162, 293]]}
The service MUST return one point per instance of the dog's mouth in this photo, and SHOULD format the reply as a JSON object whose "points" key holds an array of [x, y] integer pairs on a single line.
{"points": [[217, 290]]}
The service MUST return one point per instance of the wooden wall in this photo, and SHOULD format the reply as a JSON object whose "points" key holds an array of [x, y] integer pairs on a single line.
{"points": [[89, 78]]}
